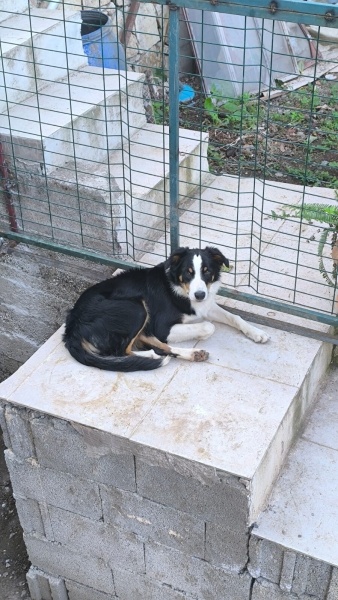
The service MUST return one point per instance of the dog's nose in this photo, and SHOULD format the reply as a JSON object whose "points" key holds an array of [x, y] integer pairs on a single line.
{"points": [[199, 295]]}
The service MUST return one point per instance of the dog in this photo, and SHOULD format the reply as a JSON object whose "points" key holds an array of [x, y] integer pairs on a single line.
{"points": [[131, 321]]}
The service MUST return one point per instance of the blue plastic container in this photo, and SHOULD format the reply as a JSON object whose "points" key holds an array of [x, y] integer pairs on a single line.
{"points": [[99, 41]]}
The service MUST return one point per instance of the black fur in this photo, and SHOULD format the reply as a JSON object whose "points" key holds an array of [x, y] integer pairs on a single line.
{"points": [[109, 316]]}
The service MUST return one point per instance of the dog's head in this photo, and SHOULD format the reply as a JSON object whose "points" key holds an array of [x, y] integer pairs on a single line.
{"points": [[193, 273]]}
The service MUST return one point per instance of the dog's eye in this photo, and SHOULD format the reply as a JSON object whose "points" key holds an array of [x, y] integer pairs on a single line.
{"points": [[206, 270]]}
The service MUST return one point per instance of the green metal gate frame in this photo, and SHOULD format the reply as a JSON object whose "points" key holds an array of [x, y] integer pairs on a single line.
{"points": [[297, 11]]}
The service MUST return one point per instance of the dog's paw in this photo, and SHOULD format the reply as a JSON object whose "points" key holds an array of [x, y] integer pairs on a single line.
{"points": [[257, 335], [200, 355], [206, 330]]}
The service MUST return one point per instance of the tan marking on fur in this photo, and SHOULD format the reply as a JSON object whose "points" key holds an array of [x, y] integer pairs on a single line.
{"points": [[133, 343], [153, 341], [88, 347]]}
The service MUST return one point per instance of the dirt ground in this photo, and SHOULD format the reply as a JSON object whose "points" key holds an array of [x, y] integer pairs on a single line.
{"points": [[13, 557]]}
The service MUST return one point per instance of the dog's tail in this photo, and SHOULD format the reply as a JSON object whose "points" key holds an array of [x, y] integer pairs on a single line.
{"points": [[127, 363]]}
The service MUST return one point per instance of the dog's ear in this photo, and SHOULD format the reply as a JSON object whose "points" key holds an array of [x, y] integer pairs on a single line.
{"points": [[176, 256], [217, 256]]}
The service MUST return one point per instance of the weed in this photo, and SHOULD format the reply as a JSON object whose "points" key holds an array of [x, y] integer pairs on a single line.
{"points": [[235, 113], [327, 216]]}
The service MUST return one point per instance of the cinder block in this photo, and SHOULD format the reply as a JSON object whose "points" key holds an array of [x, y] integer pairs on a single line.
{"points": [[226, 548], [153, 521], [93, 538], [333, 589], [300, 575], [142, 587], [265, 590], [58, 489], [20, 433], [24, 476], [45, 587], [219, 502], [76, 591], [3, 426], [288, 568], [30, 516], [57, 560], [266, 559], [318, 580], [93, 455], [194, 576], [71, 493]]}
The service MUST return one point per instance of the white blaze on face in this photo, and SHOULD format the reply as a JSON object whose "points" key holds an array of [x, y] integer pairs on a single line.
{"points": [[197, 284]]}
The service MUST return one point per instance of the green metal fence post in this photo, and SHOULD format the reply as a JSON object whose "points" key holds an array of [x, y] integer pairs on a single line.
{"points": [[174, 50]]}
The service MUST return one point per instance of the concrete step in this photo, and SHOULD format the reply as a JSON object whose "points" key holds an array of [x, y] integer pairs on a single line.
{"points": [[37, 47], [8, 8], [83, 116], [123, 201], [302, 511]]}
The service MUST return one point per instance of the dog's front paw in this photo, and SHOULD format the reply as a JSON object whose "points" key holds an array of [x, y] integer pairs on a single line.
{"points": [[200, 355], [257, 335]]}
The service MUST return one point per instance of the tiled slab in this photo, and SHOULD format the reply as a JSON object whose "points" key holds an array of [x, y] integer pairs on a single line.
{"points": [[237, 411], [302, 513]]}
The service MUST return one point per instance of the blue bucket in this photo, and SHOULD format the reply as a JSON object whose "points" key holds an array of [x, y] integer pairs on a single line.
{"points": [[99, 42]]}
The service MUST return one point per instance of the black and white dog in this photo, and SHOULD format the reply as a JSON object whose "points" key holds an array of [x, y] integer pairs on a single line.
{"points": [[129, 322]]}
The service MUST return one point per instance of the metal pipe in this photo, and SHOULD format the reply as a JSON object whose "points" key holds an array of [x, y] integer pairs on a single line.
{"points": [[174, 54]]}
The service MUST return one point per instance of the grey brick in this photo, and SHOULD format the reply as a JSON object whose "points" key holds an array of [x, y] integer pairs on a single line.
{"points": [[265, 590], [300, 575], [84, 536], [153, 521], [45, 587], [38, 585], [76, 591], [93, 455], [30, 515], [193, 575], [9, 342], [318, 580], [3, 426], [226, 548], [24, 476], [57, 560], [266, 559], [20, 434], [58, 489], [142, 587], [219, 502], [288, 567], [333, 589]]}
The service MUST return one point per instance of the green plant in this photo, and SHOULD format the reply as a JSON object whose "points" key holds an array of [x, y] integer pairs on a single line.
{"points": [[231, 112], [327, 215], [160, 111]]}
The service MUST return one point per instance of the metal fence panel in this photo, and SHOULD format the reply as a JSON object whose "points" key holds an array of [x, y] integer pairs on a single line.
{"points": [[123, 166]]}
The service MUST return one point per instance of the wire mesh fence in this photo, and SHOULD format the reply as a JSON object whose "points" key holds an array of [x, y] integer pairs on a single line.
{"points": [[137, 126]]}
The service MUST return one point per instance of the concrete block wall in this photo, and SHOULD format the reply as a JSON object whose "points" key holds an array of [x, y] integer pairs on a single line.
{"points": [[103, 518], [37, 288], [280, 574]]}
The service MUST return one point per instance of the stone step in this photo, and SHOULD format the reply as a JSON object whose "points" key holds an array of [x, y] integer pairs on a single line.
{"points": [[38, 47], [8, 8], [123, 201], [303, 508], [82, 116]]}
